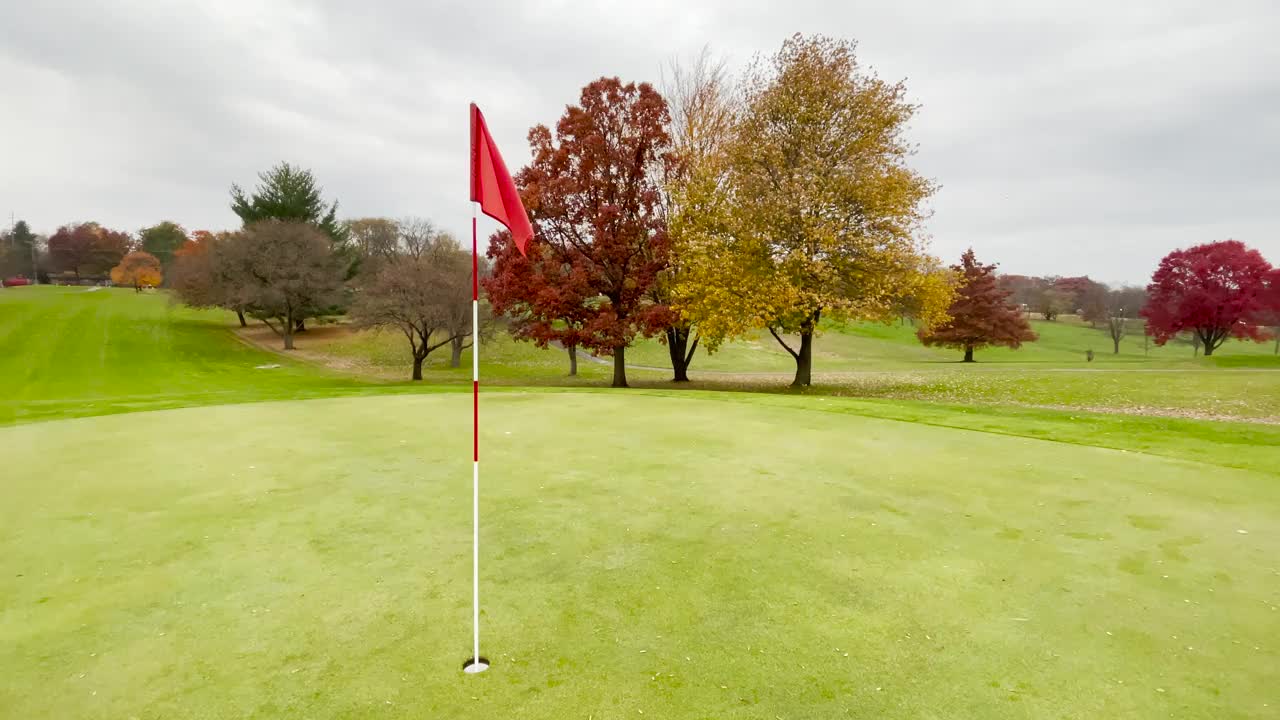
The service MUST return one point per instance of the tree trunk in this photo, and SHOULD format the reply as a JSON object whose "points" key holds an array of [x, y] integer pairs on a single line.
{"points": [[1277, 350], [678, 349], [417, 367], [1208, 350], [288, 332], [240, 315], [804, 360], [573, 360], [1116, 341], [455, 352], [968, 354], [300, 325], [620, 367]]}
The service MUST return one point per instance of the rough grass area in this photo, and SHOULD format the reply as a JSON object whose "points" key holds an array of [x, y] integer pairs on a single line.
{"points": [[719, 555]]}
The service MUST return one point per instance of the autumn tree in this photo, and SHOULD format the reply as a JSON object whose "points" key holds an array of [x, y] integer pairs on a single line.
{"points": [[87, 248], [1269, 314], [1213, 291], [71, 248], [425, 296], [821, 210], [281, 270], [703, 111], [191, 274], [981, 314], [593, 192], [203, 274], [547, 300], [162, 240], [139, 269]]}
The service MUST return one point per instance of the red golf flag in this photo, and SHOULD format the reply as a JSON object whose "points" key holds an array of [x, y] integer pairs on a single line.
{"points": [[491, 184]]}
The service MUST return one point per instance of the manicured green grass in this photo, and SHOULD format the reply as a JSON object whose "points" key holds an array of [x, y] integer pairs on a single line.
{"points": [[68, 352], [700, 556]]}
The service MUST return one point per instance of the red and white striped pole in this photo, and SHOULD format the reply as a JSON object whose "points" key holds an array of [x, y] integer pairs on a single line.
{"points": [[477, 664]]}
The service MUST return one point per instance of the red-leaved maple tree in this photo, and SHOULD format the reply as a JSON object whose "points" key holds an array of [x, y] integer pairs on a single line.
{"points": [[980, 314], [547, 300], [600, 241], [1269, 315], [1215, 291], [87, 247]]}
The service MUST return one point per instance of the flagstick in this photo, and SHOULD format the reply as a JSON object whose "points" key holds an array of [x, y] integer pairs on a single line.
{"points": [[476, 665]]}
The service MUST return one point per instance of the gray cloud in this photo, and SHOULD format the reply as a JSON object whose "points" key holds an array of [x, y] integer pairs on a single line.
{"points": [[1069, 138]]}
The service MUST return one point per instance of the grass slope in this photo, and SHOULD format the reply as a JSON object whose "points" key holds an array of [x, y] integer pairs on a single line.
{"points": [[681, 557], [67, 352]]}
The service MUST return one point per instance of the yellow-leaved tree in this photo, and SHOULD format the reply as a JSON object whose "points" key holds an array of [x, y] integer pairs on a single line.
{"points": [[818, 214], [703, 111]]}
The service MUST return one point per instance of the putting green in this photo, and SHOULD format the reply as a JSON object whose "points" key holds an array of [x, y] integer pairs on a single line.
{"points": [[642, 556]]}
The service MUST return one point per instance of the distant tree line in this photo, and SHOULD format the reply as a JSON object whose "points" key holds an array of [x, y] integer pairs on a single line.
{"points": [[89, 252], [1115, 310]]}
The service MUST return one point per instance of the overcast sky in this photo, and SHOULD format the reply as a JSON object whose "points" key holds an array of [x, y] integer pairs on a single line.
{"points": [[1069, 138]]}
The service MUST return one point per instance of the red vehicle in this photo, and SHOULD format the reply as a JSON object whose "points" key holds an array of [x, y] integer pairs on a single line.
{"points": [[16, 281]]}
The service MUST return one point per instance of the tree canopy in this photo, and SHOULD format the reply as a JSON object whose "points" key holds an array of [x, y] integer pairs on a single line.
{"points": [[819, 213], [980, 315], [425, 295], [278, 271], [87, 248], [547, 299], [290, 194], [593, 193], [162, 239], [704, 109], [1213, 290], [139, 269]]}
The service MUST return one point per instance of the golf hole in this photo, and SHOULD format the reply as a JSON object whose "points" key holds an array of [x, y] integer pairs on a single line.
{"points": [[474, 665]]}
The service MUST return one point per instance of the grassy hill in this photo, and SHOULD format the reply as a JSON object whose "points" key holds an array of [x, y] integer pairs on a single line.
{"points": [[70, 351]]}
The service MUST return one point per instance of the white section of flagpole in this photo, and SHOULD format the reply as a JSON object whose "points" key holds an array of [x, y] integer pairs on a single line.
{"points": [[475, 557], [475, 474]]}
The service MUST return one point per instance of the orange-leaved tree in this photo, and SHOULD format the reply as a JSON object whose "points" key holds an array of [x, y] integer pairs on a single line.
{"points": [[139, 269]]}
